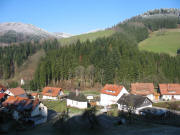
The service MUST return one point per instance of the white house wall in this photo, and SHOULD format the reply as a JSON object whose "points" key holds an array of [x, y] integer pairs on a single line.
{"points": [[40, 110], [169, 97], [49, 97], [150, 96], [9, 93], [106, 99], [120, 107], [77, 104]]}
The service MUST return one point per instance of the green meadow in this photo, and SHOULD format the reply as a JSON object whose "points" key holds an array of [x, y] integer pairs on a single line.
{"points": [[83, 37], [162, 41]]}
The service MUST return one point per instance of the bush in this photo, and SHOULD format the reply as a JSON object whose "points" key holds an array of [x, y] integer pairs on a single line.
{"points": [[178, 51]]}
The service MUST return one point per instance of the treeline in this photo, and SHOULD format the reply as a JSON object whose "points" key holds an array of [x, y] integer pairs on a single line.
{"points": [[11, 57], [107, 60], [156, 19]]}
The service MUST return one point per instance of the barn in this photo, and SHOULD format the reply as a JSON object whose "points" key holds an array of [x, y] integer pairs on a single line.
{"points": [[133, 103], [77, 100]]}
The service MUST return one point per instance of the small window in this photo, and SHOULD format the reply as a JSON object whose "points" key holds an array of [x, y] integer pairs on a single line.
{"points": [[49, 91]]}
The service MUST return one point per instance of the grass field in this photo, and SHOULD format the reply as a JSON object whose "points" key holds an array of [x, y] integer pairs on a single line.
{"points": [[83, 37], [60, 106], [162, 41]]}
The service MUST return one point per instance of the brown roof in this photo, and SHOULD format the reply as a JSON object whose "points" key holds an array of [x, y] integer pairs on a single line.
{"points": [[112, 89], [51, 91], [17, 91], [169, 89], [142, 88]]}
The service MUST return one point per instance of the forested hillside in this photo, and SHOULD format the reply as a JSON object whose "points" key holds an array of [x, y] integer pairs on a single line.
{"points": [[114, 59], [11, 57]]}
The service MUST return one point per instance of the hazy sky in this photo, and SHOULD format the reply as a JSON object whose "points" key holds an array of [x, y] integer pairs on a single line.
{"points": [[76, 16]]}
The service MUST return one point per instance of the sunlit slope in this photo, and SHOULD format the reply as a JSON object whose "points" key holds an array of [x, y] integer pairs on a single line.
{"points": [[91, 36], [162, 41]]}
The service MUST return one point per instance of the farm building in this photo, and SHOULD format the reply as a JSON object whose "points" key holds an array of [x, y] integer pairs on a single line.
{"points": [[52, 93], [169, 91], [110, 94], [134, 103], [77, 100], [16, 92], [144, 89], [24, 108]]}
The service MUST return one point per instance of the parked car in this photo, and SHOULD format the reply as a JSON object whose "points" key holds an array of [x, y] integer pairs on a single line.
{"points": [[152, 111]]}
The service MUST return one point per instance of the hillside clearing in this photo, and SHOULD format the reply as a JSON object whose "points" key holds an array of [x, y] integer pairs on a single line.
{"points": [[26, 71], [162, 41]]}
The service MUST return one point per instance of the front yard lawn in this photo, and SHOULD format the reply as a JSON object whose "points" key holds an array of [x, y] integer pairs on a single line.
{"points": [[60, 106]]}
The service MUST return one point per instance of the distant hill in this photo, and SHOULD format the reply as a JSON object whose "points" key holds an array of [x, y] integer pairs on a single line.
{"points": [[151, 20], [13, 32], [162, 41]]}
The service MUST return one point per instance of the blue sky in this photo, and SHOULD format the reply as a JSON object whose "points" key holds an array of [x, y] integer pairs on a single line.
{"points": [[76, 16]]}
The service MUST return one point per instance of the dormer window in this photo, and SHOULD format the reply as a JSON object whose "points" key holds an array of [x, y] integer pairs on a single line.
{"points": [[110, 91], [49, 91]]}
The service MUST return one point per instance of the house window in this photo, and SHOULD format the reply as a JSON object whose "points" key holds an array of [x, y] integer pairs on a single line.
{"points": [[110, 91], [49, 91]]}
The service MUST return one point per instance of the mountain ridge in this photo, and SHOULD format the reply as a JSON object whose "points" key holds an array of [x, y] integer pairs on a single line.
{"points": [[15, 32]]}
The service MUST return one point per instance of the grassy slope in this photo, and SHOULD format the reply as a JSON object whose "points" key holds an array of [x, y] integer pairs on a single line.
{"points": [[60, 106], [91, 36], [27, 70], [162, 41]]}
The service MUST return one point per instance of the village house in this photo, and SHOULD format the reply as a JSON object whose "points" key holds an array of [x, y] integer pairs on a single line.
{"points": [[169, 91], [52, 93], [16, 92], [78, 100], [27, 109], [110, 94], [144, 89], [133, 103], [34, 95]]}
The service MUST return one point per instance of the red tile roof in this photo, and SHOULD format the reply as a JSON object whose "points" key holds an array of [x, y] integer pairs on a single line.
{"points": [[169, 89], [142, 88], [112, 89], [51, 91], [20, 101], [17, 91], [13, 100], [2, 95]]}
